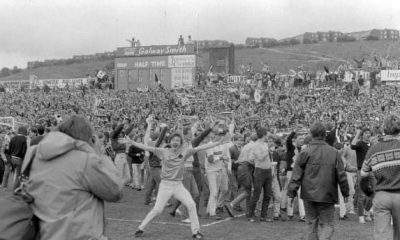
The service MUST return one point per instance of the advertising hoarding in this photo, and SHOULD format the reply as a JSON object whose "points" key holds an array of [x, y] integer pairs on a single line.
{"points": [[161, 50]]}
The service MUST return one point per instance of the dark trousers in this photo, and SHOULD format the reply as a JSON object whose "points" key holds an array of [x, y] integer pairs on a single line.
{"points": [[198, 177], [152, 183], [2, 168], [233, 184], [7, 172], [360, 197], [262, 182], [319, 215], [245, 180], [17, 162]]}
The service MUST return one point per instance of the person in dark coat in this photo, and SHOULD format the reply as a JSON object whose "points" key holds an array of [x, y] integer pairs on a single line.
{"points": [[318, 171]]}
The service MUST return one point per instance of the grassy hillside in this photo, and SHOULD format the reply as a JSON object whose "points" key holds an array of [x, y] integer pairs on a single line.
{"points": [[281, 59], [314, 56], [66, 71]]}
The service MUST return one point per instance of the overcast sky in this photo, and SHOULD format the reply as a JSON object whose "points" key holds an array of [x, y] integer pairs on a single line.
{"points": [[46, 29]]}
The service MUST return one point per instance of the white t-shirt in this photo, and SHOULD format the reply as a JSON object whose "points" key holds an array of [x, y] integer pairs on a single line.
{"points": [[216, 156]]}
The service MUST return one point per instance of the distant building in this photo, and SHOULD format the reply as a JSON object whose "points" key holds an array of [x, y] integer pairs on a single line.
{"points": [[323, 36], [259, 42], [359, 35], [217, 53], [310, 37], [384, 34], [253, 42], [392, 34], [209, 43], [33, 64], [377, 33], [333, 36]]}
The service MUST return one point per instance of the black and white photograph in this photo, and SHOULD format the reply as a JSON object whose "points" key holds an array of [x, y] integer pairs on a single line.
{"points": [[200, 119]]}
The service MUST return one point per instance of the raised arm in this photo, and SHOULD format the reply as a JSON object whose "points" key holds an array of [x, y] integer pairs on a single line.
{"points": [[194, 128], [149, 122], [355, 141], [129, 130], [146, 147], [3, 149], [289, 143], [196, 142], [164, 129], [207, 146], [117, 131]]}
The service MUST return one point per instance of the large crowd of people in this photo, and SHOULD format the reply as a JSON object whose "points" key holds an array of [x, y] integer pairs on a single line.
{"points": [[211, 145]]}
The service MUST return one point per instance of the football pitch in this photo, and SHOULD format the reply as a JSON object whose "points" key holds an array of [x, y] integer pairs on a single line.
{"points": [[124, 217]]}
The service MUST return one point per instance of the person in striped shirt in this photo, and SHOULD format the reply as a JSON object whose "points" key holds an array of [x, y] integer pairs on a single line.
{"points": [[380, 178]]}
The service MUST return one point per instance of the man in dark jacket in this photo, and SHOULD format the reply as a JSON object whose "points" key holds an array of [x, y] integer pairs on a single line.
{"points": [[17, 148], [293, 144], [360, 144], [318, 170], [3, 159]]}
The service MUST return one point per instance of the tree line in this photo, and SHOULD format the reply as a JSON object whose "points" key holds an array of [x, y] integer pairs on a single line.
{"points": [[4, 72]]}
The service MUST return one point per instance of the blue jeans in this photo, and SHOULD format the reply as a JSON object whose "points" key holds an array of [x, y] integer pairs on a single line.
{"points": [[2, 169], [262, 182], [360, 197], [386, 206], [245, 180], [6, 175], [17, 162], [319, 214]]}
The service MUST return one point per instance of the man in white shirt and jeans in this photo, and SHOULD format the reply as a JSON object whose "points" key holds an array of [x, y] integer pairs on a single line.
{"points": [[262, 175]]}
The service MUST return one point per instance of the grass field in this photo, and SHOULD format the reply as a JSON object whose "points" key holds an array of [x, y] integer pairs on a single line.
{"points": [[124, 217]]}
